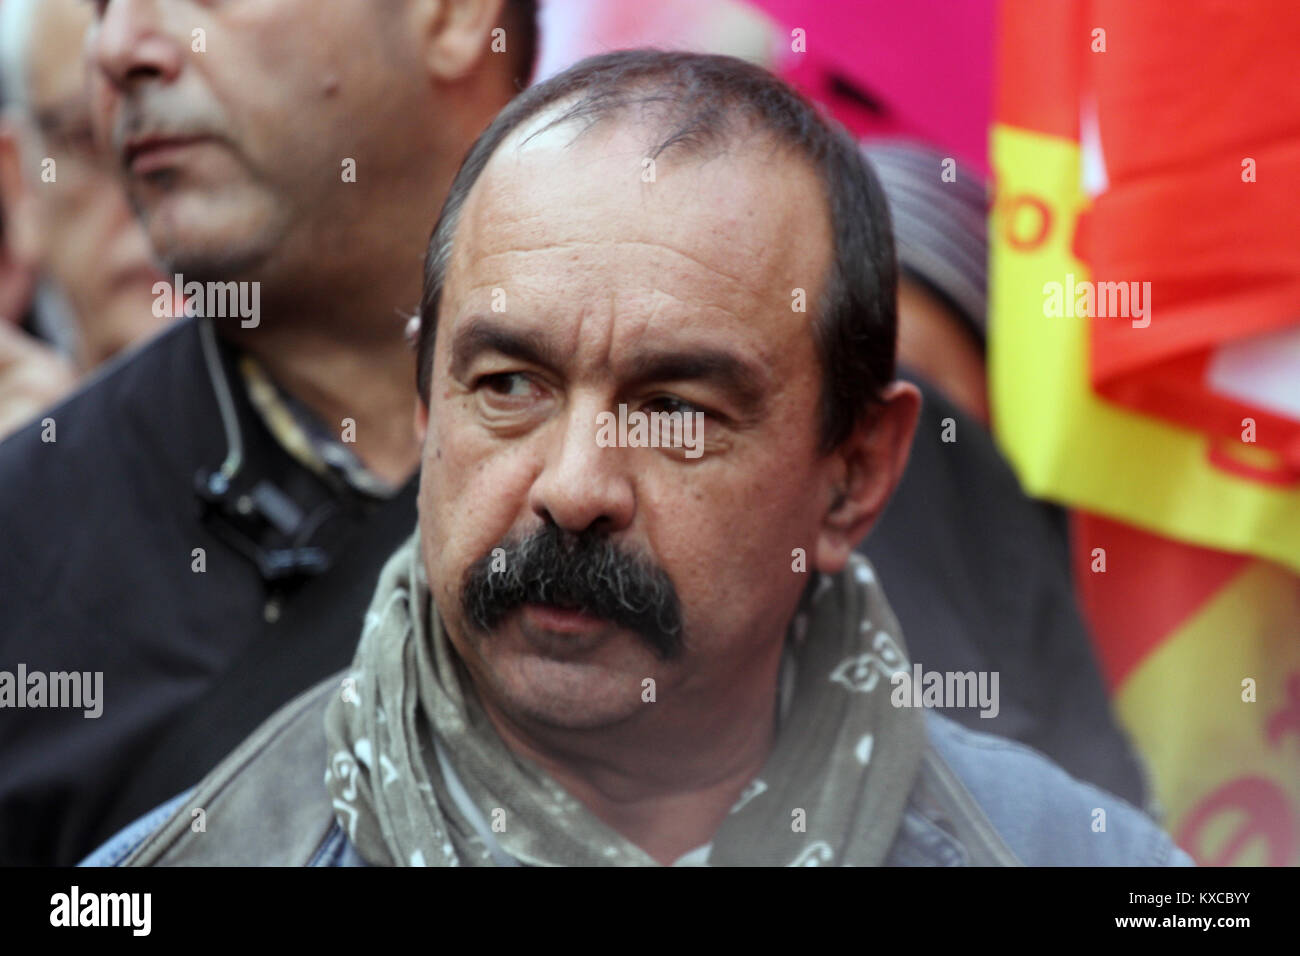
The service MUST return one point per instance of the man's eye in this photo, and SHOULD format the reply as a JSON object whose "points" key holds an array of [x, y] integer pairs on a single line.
{"points": [[670, 404], [507, 384]]}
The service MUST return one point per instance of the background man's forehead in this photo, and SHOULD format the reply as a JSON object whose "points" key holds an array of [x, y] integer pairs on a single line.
{"points": [[54, 68]]}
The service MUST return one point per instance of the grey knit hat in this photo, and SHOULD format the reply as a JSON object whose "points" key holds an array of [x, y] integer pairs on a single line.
{"points": [[940, 228]]}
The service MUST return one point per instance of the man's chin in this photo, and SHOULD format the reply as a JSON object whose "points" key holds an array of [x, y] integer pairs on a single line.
{"points": [[207, 242], [208, 261], [560, 633], [572, 680]]}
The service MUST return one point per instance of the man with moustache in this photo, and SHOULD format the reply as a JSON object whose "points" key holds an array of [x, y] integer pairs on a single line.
{"points": [[204, 524], [602, 655]]}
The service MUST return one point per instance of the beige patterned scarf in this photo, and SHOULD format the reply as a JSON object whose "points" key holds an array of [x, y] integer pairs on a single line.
{"points": [[416, 769]]}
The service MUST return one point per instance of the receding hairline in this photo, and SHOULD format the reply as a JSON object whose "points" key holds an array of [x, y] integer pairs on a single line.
{"points": [[750, 142], [643, 105], [742, 133]]}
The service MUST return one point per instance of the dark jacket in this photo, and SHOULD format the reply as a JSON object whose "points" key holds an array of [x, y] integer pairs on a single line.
{"points": [[979, 577], [98, 531]]}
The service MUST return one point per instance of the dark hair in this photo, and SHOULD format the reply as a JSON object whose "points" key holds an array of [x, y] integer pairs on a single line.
{"points": [[519, 17], [708, 100]]}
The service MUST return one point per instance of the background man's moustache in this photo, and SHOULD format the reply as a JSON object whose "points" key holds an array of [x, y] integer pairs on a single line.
{"points": [[154, 115], [588, 572]]}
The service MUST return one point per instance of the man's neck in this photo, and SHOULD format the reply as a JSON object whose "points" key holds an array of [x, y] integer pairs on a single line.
{"points": [[360, 385], [666, 783], [332, 322]]}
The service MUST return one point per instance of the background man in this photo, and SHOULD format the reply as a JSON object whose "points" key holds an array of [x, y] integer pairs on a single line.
{"points": [[66, 221], [204, 524]]}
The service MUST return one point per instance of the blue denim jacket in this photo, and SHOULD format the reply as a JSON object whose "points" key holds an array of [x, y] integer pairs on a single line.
{"points": [[978, 800]]}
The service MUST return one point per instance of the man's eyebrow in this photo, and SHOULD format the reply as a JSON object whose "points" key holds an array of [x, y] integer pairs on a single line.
{"points": [[744, 380], [481, 334]]}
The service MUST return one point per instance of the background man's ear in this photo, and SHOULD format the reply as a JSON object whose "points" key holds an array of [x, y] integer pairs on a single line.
{"points": [[457, 34], [867, 469]]}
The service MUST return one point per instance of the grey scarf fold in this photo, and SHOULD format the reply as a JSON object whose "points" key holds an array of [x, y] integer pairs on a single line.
{"points": [[419, 776]]}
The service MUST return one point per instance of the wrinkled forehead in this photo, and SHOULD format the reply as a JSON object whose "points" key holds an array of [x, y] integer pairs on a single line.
{"points": [[737, 225]]}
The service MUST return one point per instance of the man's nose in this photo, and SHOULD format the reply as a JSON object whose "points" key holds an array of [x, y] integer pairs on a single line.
{"points": [[582, 485], [129, 44]]}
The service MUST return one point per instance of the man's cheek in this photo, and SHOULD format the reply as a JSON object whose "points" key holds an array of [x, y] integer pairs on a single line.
{"points": [[452, 446], [736, 550], [475, 496], [101, 102], [474, 476]]}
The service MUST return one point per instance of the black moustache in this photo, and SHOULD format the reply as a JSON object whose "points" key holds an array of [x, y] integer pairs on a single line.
{"points": [[584, 572]]}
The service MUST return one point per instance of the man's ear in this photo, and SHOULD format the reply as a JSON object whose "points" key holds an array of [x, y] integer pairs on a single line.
{"points": [[456, 34], [421, 420], [866, 469]]}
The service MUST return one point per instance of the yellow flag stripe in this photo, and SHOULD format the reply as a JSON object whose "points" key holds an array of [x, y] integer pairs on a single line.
{"points": [[1066, 443]]}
